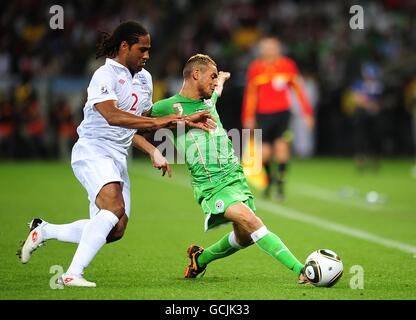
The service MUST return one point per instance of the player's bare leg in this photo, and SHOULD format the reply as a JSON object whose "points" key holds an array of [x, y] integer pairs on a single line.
{"points": [[118, 231], [266, 156], [281, 152], [242, 236], [95, 234]]}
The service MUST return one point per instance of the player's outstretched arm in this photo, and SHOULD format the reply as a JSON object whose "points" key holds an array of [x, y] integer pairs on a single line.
{"points": [[116, 117], [305, 104], [222, 77], [201, 120], [158, 160]]}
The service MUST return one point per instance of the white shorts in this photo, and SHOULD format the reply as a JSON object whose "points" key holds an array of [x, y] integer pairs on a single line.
{"points": [[94, 164]]}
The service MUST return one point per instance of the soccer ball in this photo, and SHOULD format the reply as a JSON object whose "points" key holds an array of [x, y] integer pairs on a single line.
{"points": [[323, 268]]}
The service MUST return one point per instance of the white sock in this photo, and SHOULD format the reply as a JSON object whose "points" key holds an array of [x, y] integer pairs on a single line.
{"points": [[93, 238], [70, 232], [233, 241], [259, 233]]}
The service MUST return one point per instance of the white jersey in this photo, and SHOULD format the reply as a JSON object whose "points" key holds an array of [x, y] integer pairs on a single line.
{"points": [[113, 81]]}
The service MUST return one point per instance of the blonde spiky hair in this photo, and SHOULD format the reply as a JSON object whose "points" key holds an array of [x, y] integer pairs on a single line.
{"points": [[196, 61]]}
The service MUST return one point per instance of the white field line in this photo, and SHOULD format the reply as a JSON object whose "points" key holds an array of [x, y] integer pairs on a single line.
{"points": [[352, 200], [330, 196], [292, 214]]}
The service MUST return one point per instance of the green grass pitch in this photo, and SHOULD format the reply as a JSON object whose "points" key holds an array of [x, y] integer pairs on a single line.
{"points": [[325, 208]]}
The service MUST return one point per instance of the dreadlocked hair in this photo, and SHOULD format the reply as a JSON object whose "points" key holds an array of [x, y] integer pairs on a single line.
{"points": [[128, 31]]}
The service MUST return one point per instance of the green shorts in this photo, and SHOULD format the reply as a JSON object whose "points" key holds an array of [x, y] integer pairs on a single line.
{"points": [[215, 198]]}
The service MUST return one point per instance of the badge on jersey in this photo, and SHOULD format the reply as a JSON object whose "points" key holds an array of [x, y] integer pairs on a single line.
{"points": [[219, 205], [208, 103], [178, 108], [142, 79], [280, 82], [103, 89]]}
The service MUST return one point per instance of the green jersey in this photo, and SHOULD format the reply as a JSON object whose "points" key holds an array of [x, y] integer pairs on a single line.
{"points": [[209, 155], [217, 176]]}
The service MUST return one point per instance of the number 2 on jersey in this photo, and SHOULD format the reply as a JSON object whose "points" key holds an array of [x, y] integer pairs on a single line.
{"points": [[133, 107]]}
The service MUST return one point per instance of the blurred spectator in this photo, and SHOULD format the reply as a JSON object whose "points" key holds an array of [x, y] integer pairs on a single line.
{"points": [[367, 93], [173, 78], [410, 102], [317, 37], [266, 106], [64, 129], [304, 137], [30, 121], [33, 128], [7, 129]]}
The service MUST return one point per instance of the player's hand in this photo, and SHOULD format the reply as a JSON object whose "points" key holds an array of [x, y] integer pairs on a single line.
{"points": [[223, 76], [310, 122], [201, 120], [160, 162], [168, 121]]}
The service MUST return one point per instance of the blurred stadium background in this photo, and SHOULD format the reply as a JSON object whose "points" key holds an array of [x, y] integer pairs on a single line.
{"points": [[368, 219], [45, 72]]}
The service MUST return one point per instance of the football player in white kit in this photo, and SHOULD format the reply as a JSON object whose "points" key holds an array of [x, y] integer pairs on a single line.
{"points": [[119, 93]]}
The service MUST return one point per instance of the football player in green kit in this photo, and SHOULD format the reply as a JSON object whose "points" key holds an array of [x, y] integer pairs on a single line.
{"points": [[218, 180]]}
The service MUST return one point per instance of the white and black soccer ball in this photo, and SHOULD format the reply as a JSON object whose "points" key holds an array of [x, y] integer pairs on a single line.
{"points": [[323, 268]]}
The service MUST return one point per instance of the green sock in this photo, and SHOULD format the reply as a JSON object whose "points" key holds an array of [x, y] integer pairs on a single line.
{"points": [[219, 249], [272, 244]]}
